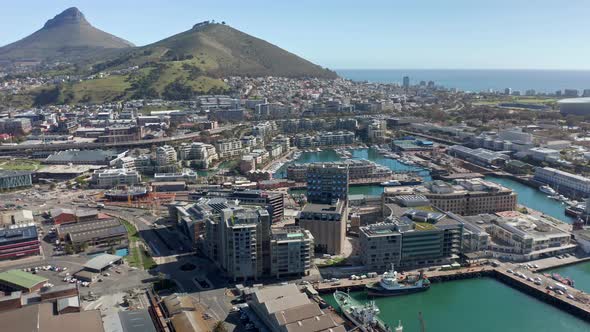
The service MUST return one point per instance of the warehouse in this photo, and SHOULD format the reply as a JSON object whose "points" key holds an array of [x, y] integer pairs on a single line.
{"points": [[19, 242], [102, 262], [93, 232], [17, 280]]}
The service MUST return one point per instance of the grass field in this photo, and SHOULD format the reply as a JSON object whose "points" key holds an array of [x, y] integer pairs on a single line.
{"points": [[102, 89], [137, 256], [20, 165], [522, 100]]}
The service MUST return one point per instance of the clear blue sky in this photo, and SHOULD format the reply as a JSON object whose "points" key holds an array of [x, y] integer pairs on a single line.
{"points": [[543, 34]]}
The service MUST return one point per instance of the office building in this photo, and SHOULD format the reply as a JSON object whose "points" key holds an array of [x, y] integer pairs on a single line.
{"points": [[380, 246], [18, 242], [327, 224], [327, 182], [406, 82], [108, 178], [15, 179]]}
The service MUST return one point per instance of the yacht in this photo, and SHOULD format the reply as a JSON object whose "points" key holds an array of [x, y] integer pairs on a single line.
{"points": [[548, 190], [391, 183]]}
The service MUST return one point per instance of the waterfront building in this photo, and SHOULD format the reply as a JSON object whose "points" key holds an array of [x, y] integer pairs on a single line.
{"points": [[108, 178], [291, 252], [15, 179], [376, 131], [562, 181], [412, 144], [327, 182], [186, 175], [380, 246], [286, 309], [517, 236], [327, 223], [481, 157], [464, 197], [545, 154], [19, 242], [359, 170]]}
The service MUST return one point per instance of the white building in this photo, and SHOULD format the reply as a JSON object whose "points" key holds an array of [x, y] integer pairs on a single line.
{"points": [[564, 181], [108, 178]]}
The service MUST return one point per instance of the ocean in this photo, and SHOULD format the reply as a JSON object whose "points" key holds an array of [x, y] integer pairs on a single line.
{"points": [[547, 81]]}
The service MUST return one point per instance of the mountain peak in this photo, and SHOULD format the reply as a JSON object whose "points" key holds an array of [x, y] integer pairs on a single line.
{"points": [[71, 15]]}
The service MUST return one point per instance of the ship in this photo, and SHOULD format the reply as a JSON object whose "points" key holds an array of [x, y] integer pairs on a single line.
{"points": [[389, 285], [363, 316], [390, 183], [548, 190]]}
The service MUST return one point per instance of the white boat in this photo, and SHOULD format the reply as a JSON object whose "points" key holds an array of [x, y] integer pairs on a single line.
{"points": [[548, 190], [391, 183]]}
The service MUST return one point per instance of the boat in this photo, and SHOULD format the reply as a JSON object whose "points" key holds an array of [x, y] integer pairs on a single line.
{"points": [[363, 316], [390, 183], [411, 182], [548, 190], [389, 285]]}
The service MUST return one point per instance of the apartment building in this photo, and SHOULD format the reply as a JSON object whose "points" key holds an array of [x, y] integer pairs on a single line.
{"points": [[327, 182], [291, 252], [228, 148], [108, 178], [198, 154]]}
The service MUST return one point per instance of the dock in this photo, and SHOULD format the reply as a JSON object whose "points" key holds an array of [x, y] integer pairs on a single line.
{"points": [[579, 305]]}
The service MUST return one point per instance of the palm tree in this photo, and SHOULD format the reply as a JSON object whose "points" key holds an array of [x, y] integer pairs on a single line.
{"points": [[219, 326]]}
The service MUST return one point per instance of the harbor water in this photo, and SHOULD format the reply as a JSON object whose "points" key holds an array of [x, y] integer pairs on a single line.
{"points": [[535, 199], [369, 154], [483, 305], [580, 273]]}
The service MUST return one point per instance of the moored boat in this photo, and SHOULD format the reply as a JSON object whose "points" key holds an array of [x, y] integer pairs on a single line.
{"points": [[363, 316], [389, 285]]}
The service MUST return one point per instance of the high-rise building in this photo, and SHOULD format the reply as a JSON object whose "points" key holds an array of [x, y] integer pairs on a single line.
{"points": [[406, 82], [327, 223], [327, 182], [291, 251], [508, 91]]}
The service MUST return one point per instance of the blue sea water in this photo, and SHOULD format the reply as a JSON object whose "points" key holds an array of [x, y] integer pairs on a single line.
{"points": [[547, 81]]}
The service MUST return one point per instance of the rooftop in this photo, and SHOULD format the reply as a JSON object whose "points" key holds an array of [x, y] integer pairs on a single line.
{"points": [[21, 279], [101, 261]]}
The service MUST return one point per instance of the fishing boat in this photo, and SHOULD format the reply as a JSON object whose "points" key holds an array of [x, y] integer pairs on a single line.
{"points": [[363, 316], [389, 285]]}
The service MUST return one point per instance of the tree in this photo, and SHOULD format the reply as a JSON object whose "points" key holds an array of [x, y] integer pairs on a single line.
{"points": [[219, 327]]}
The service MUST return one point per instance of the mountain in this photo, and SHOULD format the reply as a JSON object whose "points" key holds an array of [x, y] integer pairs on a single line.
{"points": [[220, 50], [66, 37]]}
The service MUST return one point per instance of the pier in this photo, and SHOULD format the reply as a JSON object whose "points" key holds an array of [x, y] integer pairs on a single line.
{"points": [[579, 305]]}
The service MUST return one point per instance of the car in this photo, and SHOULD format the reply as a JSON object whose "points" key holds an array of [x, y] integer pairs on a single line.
{"points": [[509, 271]]}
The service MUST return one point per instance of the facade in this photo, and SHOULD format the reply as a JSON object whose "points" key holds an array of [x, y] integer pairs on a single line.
{"points": [[327, 223], [16, 217], [15, 179], [108, 178], [101, 231], [481, 157], [574, 106], [574, 184], [19, 242], [187, 176], [200, 155], [166, 160], [380, 246], [17, 127], [84, 157], [358, 170], [228, 148], [291, 252], [327, 182]]}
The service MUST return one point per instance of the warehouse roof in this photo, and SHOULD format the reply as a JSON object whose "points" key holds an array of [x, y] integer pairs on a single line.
{"points": [[101, 261], [136, 321], [21, 279]]}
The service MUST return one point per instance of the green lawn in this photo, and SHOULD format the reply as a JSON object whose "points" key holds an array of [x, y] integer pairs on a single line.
{"points": [[137, 256], [20, 165]]}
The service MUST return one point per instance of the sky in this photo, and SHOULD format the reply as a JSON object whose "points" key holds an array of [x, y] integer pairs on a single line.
{"points": [[361, 34]]}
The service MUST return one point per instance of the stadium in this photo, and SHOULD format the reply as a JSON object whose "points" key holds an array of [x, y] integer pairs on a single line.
{"points": [[574, 106]]}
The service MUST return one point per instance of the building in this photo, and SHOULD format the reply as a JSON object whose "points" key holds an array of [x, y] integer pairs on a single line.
{"points": [[166, 160], [61, 216], [572, 184], [574, 106], [380, 245], [15, 126], [272, 201], [102, 231], [16, 217], [464, 197], [327, 182], [545, 154], [358, 170], [102, 262], [17, 280], [84, 157], [327, 224], [228, 148], [291, 252], [10, 180], [108, 178], [237, 242], [285, 309], [406, 82], [481, 157], [186, 175], [19, 242], [198, 154]]}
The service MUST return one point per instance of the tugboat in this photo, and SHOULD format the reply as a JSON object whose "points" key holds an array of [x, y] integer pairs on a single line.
{"points": [[363, 316], [389, 286]]}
